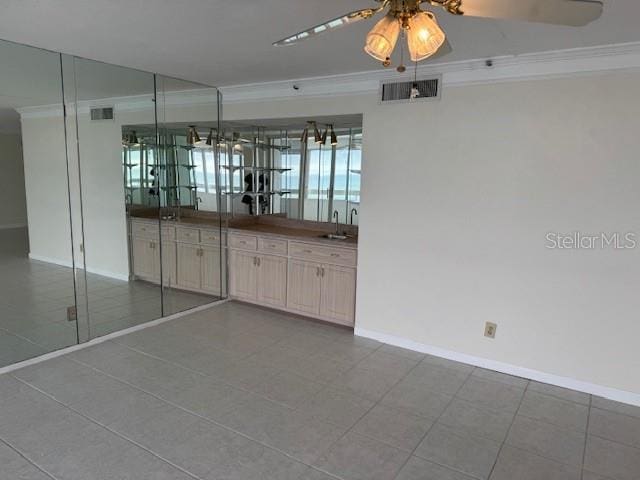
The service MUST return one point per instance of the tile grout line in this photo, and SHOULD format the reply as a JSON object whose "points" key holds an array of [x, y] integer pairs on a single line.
{"points": [[513, 420], [453, 397], [586, 436], [94, 421], [186, 410], [27, 459]]}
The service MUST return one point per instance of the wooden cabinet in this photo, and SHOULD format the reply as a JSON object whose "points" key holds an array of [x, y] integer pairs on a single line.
{"points": [[192, 258], [188, 259], [272, 280], [243, 275], [338, 293], [304, 286], [212, 271], [146, 259], [310, 278]]}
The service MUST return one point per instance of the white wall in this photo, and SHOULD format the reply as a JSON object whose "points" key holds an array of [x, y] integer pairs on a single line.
{"points": [[12, 195], [486, 173]]}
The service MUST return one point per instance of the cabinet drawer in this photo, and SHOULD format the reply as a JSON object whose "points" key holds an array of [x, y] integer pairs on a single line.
{"points": [[188, 235], [148, 230], [245, 242], [210, 237], [272, 245], [321, 253], [169, 233]]}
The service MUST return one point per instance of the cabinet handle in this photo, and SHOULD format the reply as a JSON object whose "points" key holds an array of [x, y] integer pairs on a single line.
{"points": [[258, 259], [322, 271], [317, 271], [335, 255], [307, 251]]}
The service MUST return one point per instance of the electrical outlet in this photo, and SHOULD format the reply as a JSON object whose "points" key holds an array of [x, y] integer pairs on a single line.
{"points": [[490, 330]]}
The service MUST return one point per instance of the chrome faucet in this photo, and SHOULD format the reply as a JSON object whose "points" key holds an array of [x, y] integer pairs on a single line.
{"points": [[336, 215], [353, 210]]}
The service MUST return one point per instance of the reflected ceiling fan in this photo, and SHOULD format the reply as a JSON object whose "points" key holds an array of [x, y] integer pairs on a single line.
{"points": [[424, 36]]}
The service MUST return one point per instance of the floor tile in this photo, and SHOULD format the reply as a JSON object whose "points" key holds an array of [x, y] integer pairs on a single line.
{"points": [[606, 404], [437, 379], [355, 457], [419, 469], [610, 459], [559, 392], [416, 399], [460, 451], [515, 464], [394, 427], [500, 377], [477, 421], [491, 395], [546, 440], [15, 466], [615, 426], [368, 383], [288, 389], [402, 352], [444, 362], [561, 413], [336, 406]]}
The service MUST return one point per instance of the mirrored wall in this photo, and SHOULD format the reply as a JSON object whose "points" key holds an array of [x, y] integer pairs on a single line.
{"points": [[95, 233]]}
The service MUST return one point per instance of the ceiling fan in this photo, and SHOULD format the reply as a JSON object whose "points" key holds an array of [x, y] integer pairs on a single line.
{"points": [[424, 36]]}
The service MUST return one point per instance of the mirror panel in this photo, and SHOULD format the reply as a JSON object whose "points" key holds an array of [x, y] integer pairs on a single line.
{"points": [[37, 278]]}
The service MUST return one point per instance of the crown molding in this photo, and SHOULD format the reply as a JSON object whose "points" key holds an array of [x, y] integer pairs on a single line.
{"points": [[551, 64], [206, 97]]}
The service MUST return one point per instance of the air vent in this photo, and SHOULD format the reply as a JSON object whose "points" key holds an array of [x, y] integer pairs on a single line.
{"points": [[411, 91], [102, 113]]}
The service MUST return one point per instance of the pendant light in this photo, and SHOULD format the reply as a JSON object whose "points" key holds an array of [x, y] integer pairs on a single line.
{"points": [[316, 134], [209, 141], [192, 135], [323, 140], [382, 38], [424, 36], [334, 138]]}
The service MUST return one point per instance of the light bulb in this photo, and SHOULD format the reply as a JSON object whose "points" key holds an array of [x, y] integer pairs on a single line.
{"points": [[424, 36], [382, 38]]}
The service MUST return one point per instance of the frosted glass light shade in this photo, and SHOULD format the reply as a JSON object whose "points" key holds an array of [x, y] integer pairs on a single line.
{"points": [[424, 36], [382, 38]]}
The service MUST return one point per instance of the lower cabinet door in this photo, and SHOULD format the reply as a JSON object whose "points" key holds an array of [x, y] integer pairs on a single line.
{"points": [[338, 297], [211, 270], [169, 264], [188, 268], [243, 275], [303, 291], [146, 261], [272, 280]]}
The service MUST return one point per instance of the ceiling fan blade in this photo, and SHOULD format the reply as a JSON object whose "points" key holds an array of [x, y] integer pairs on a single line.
{"points": [[341, 21], [560, 12]]}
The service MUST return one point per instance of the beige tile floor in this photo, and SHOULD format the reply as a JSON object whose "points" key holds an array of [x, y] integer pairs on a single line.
{"points": [[34, 297], [238, 392]]}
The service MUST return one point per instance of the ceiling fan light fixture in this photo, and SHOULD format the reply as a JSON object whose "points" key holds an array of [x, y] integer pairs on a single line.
{"points": [[210, 138], [382, 38], [424, 36]]}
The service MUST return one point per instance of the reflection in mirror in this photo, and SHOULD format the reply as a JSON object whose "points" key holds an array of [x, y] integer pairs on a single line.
{"points": [[100, 99], [36, 260]]}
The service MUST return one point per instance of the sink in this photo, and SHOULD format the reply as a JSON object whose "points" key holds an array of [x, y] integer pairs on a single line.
{"points": [[334, 236]]}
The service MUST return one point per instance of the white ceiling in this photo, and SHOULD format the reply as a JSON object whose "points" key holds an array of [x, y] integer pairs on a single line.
{"points": [[228, 42]]}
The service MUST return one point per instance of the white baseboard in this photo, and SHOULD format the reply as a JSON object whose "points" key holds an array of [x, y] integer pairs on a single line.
{"points": [[66, 263], [111, 336], [557, 380], [11, 226]]}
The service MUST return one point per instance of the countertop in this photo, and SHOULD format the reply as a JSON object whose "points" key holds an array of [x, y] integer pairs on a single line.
{"points": [[287, 232]]}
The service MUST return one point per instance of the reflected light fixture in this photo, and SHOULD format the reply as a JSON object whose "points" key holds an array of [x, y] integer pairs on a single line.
{"points": [[316, 134], [209, 140], [323, 139], [334, 138], [192, 135], [305, 135]]}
